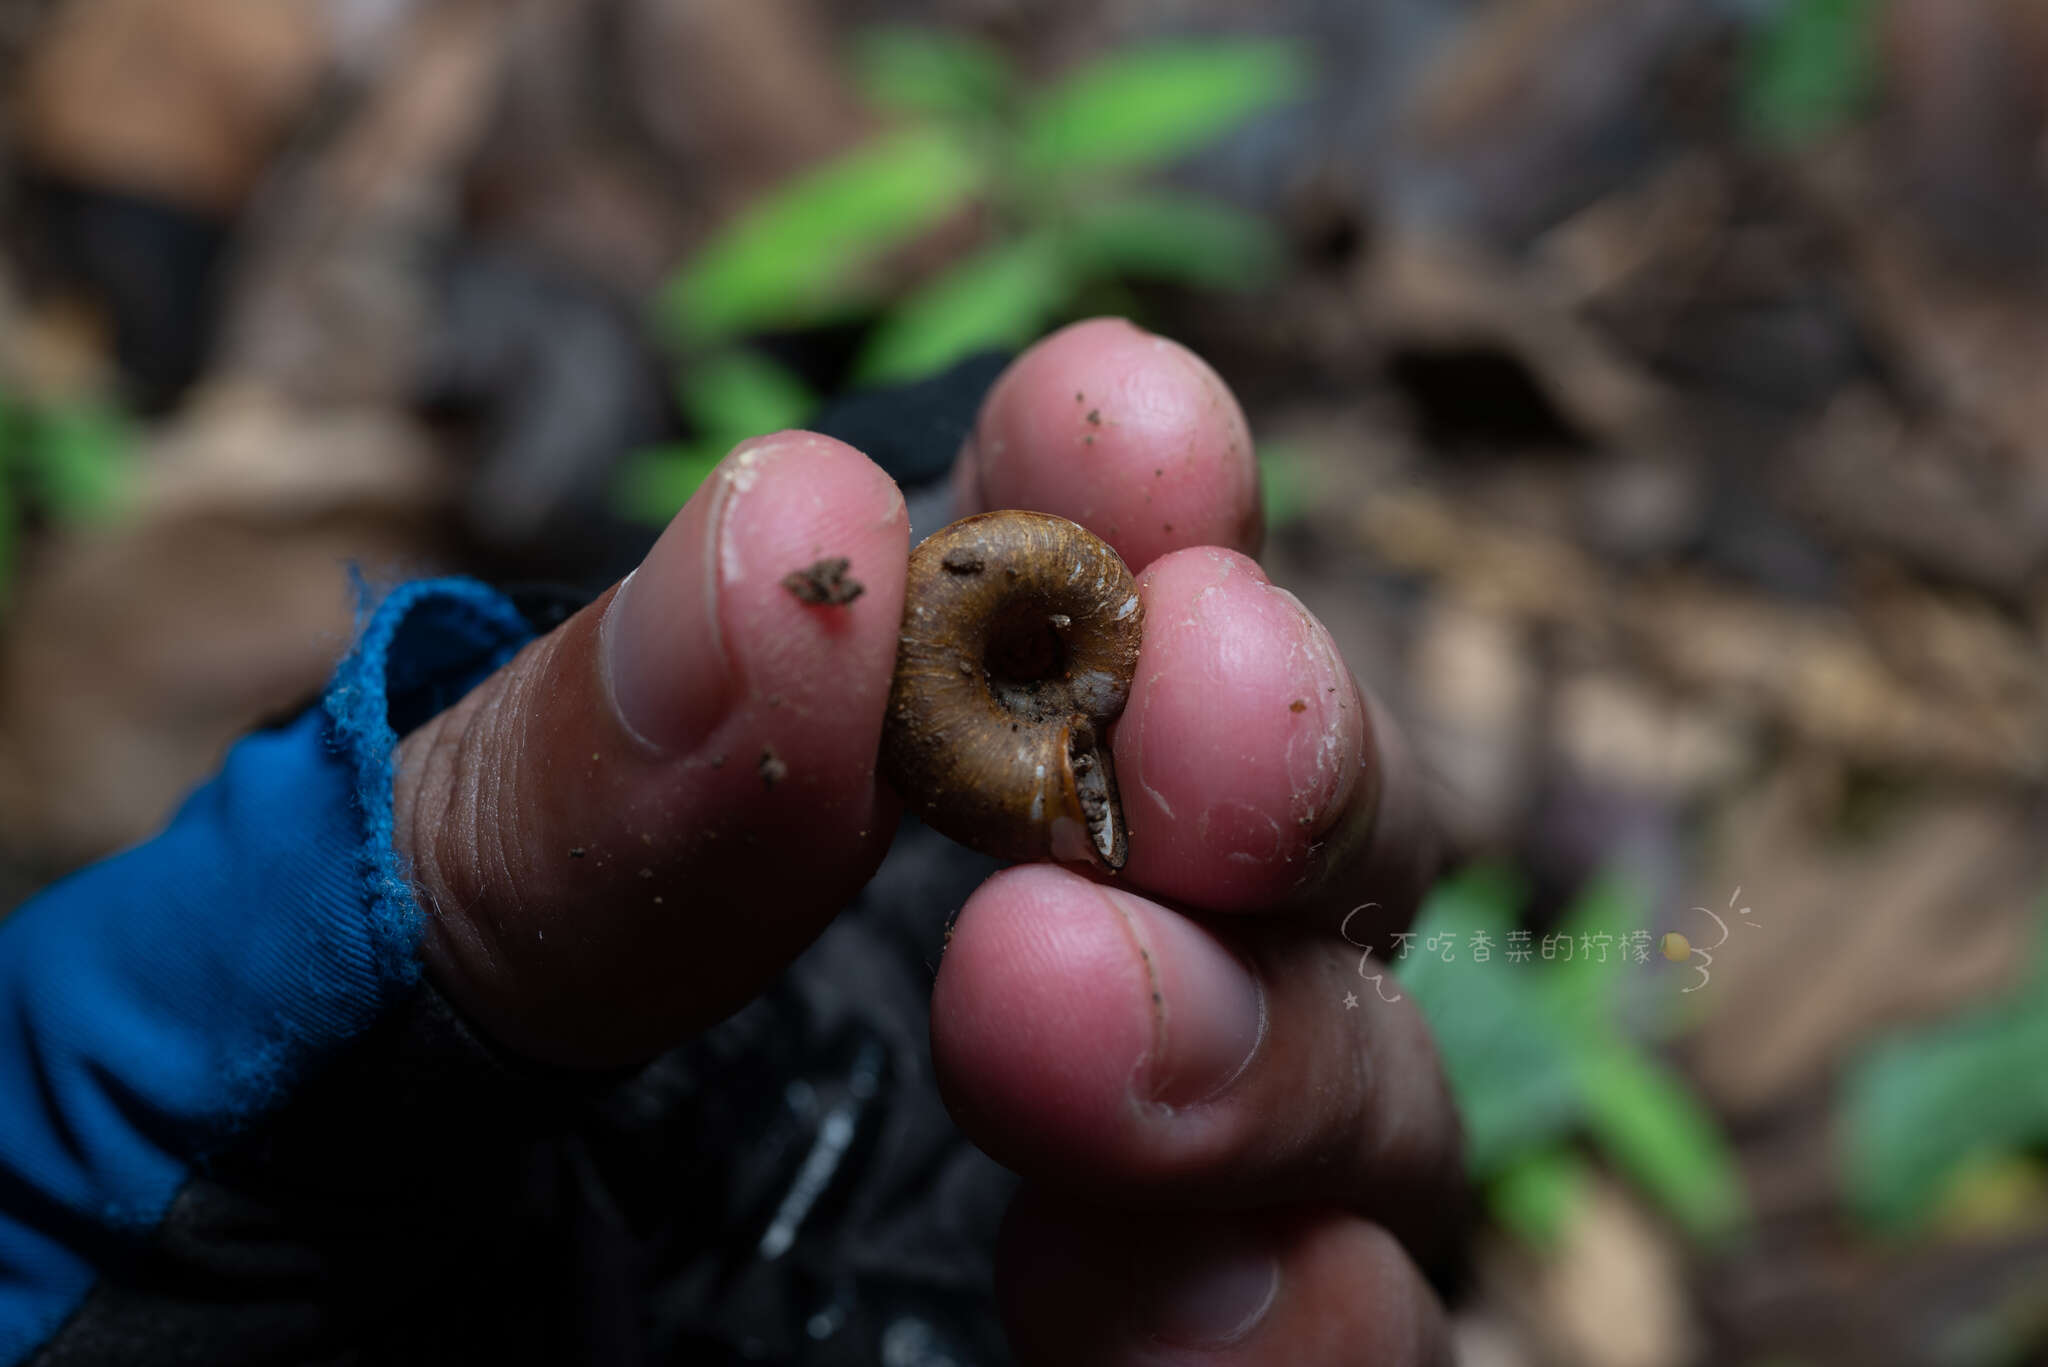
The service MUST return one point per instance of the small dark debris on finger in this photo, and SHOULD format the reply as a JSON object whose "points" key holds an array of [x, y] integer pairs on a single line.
{"points": [[825, 583], [771, 768]]}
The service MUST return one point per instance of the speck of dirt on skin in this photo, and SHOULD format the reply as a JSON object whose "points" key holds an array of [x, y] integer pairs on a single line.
{"points": [[577, 852], [771, 767], [1095, 417], [1298, 705], [1169, 526], [1159, 472], [1088, 440], [718, 761], [646, 873], [824, 583], [1078, 397]]}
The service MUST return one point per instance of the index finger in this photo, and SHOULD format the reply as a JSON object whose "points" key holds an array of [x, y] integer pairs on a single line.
{"points": [[1129, 434]]}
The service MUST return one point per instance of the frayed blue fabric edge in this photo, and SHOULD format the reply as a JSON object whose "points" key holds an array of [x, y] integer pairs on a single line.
{"points": [[450, 626]]}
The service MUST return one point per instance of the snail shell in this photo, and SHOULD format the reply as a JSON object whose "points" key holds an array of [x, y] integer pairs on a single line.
{"points": [[1020, 637]]}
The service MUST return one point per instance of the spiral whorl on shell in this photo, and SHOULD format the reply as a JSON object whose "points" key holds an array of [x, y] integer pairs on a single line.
{"points": [[1020, 637]]}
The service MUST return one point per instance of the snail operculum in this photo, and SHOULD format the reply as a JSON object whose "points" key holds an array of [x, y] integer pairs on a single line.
{"points": [[1091, 778], [1019, 642]]}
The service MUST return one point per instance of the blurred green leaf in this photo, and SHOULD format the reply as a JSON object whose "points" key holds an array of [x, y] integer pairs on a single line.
{"points": [[76, 458], [1922, 1105], [1484, 894], [1508, 1063], [14, 428], [1148, 106], [796, 257], [1583, 990], [1175, 237], [1637, 1110], [1660, 1134], [1535, 1054], [654, 483], [14, 434], [1811, 67], [922, 71], [1283, 494], [999, 297], [1535, 1197], [9, 512], [732, 395]]}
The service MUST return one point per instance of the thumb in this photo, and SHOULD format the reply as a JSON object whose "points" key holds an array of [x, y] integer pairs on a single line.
{"points": [[626, 832]]}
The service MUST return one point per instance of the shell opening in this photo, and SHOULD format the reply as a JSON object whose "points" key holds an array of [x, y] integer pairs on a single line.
{"points": [[1026, 659], [1025, 646]]}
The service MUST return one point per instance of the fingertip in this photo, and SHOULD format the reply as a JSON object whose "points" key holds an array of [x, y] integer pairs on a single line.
{"points": [[783, 575], [1244, 740], [1038, 1015], [1130, 434], [797, 501], [810, 574]]}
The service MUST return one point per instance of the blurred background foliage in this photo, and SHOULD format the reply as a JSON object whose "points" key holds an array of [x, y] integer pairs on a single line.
{"points": [[61, 462], [1541, 1050], [1934, 1123], [1055, 179], [1812, 66], [1647, 393]]}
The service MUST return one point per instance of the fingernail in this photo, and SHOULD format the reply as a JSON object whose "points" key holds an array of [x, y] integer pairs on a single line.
{"points": [[666, 665], [1208, 1010], [1210, 1297]]}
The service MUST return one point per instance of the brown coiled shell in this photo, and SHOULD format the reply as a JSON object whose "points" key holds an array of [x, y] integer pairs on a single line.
{"points": [[1020, 637]]}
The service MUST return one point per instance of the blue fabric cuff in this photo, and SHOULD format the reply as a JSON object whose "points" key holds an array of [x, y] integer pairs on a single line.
{"points": [[161, 1002]]}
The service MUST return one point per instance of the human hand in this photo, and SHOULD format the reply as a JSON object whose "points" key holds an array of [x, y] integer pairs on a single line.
{"points": [[627, 833]]}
